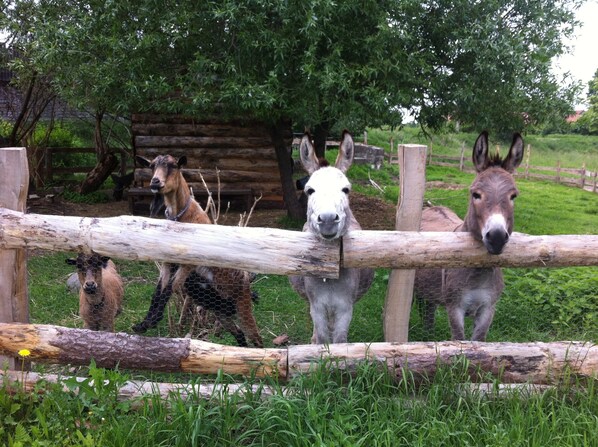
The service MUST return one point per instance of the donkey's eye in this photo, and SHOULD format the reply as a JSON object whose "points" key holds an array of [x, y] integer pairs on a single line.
{"points": [[346, 190], [513, 196], [476, 195], [310, 191]]}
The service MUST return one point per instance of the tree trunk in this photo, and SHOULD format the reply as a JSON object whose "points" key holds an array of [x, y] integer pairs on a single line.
{"points": [[100, 146], [294, 208], [320, 136], [540, 363], [107, 164]]}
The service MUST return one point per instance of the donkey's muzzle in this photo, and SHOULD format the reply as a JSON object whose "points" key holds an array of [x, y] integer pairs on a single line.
{"points": [[495, 240], [328, 225]]}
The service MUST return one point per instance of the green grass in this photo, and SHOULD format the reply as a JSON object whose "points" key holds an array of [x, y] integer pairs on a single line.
{"points": [[328, 407], [571, 150]]}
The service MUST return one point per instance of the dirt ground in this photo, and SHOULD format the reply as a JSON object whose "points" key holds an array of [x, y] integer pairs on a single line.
{"points": [[372, 213]]}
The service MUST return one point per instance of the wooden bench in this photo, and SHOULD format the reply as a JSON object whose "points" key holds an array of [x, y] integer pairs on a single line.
{"points": [[139, 198]]}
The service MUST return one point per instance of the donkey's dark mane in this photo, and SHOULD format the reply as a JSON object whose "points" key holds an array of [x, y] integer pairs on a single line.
{"points": [[494, 160]]}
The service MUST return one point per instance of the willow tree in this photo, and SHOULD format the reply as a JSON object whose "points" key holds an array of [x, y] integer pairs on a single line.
{"points": [[317, 64]]}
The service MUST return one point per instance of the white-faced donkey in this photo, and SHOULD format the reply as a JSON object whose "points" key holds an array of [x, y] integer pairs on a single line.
{"points": [[473, 291], [329, 217], [101, 293]]}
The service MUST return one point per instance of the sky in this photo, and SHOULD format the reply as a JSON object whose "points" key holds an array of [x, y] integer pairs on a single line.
{"points": [[582, 63]]}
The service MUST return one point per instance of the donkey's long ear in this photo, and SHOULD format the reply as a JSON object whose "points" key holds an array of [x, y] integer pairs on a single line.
{"points": [[142, 161], [480, 152], [515, 154], [308, 155], [346, 152]]}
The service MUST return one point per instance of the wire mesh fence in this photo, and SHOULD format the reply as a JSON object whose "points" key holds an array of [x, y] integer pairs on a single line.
{"points": [[536, 305]]}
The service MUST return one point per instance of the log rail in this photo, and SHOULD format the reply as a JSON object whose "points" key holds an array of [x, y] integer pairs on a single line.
{"points": [[538, 363]]}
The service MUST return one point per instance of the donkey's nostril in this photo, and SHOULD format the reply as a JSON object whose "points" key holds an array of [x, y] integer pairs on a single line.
{"points": [[327, 218]]}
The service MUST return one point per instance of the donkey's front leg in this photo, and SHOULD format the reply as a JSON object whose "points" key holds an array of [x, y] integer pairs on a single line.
{"points": [[317, 312], [341, 324], [482, 321], [457, 322]]}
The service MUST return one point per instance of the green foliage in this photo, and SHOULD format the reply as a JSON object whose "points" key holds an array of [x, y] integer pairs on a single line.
{"points": [[5, 128], [343, 64], [588, 123], [568, 296], [57, 136]]}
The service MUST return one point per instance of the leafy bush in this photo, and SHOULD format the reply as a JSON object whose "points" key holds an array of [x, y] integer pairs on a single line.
{"points": [[567, 297], [5, 128]]}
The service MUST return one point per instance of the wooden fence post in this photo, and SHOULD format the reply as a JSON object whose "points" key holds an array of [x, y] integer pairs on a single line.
{"points": [[582, 173], [462, 159], [595, 174], [558, 171], [14, 184], [399, 294], [527, 157]]}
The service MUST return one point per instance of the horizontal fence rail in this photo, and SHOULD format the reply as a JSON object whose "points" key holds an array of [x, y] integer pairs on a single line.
{"points": [[51, 170], [260, 250], [284, 252], [540, 363]]}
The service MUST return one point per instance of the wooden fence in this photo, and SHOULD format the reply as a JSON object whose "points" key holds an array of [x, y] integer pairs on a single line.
{"points": [[280, 252], [51, 170], [578, 177]]}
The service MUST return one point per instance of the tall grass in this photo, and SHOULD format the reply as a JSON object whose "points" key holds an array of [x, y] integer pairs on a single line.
{"points": [[368, 407]]}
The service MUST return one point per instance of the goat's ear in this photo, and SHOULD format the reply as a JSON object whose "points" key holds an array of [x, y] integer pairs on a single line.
{"points": [[515, 154], [307, 153], [71, 261], [104, 260], [346, 152], [480, 152], [156, 205], [182, 161], [142, 161]]}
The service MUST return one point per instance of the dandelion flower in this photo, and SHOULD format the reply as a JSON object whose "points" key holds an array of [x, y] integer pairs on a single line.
{"points": [[24, 352]]}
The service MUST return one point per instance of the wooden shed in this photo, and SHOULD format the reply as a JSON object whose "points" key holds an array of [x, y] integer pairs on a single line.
{"points": [[236, 158]]}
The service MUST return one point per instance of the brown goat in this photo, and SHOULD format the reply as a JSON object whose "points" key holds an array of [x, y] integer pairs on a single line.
{"points": [[226, 292], [101, 293]]}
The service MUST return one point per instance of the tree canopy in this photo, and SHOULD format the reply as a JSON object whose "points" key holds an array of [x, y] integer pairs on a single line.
{"points": [[588, 123], [346, 64]]}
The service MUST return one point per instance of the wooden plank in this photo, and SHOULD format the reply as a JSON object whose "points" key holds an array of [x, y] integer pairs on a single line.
{"points": [[203, 142], [412, 175], [538, 363], [199, 130], [210, 176], [14, 183], [445, 250], [260, 250], [196, 155]]}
